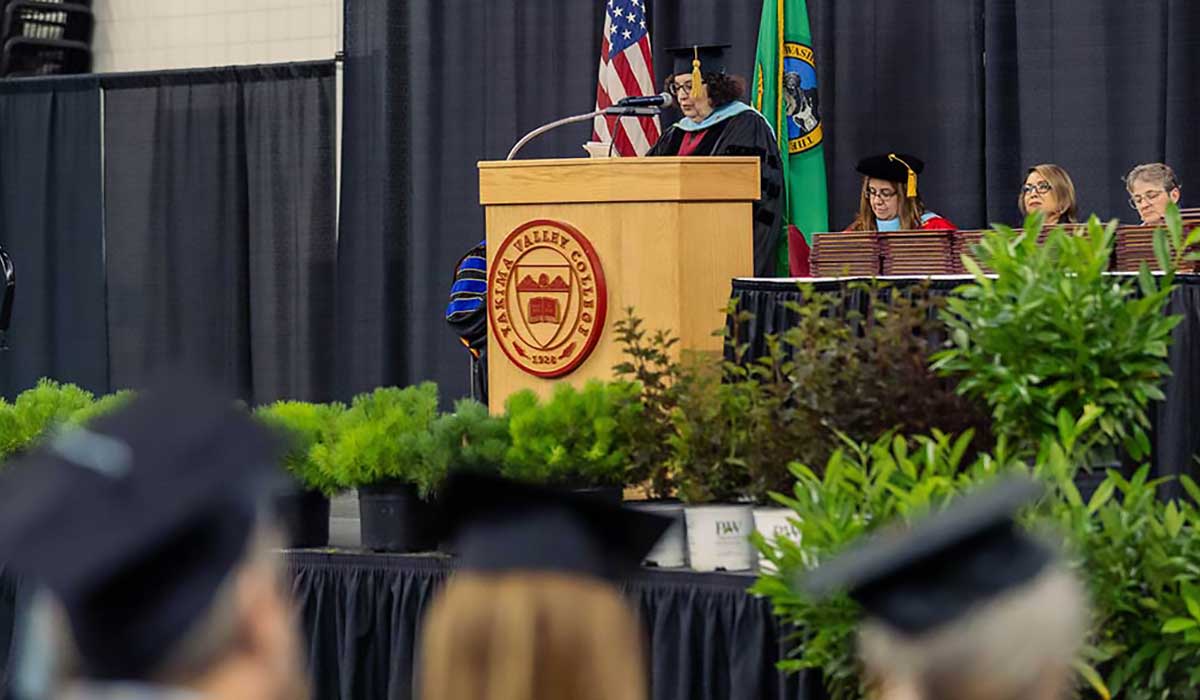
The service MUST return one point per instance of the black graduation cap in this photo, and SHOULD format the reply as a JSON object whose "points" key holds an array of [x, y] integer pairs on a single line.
{"points": [[922, 578], [712, 58], [135, 522], [495, 524], [895, 167]]}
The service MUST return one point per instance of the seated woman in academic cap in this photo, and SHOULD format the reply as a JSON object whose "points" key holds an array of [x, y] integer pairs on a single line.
{"points": [[717, 123], [964, 606], [532, 613], [890, 200]]}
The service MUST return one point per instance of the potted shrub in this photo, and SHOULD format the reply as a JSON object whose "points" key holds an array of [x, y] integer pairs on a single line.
{"points": [[859, 375], [469, 438], [714, 427], [1053, 332], [381, 448], [39, 411], [101, 407], [577, 439], [304, 511], [652, 364]]}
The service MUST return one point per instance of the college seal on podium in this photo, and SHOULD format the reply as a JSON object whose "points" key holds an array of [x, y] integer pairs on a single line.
{"points": [[547, 298]]}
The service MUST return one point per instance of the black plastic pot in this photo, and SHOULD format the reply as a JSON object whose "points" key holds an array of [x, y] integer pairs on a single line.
{"points": [[304, 517], [393, 519]]}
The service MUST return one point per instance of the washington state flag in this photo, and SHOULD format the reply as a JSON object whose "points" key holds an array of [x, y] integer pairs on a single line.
{"points": [[785, 91]]}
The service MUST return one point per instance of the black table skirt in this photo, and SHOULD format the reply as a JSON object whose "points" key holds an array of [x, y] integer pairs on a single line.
{"points": [[1176, 420], [708, 638]]}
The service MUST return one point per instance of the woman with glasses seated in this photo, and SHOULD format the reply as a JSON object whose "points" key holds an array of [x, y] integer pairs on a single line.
{"points": [[1151, 187], [890, 200], [717, 123], [1048, 189]]}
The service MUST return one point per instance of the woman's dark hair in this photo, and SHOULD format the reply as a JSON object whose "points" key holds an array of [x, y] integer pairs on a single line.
{"points": [[722, 87]]}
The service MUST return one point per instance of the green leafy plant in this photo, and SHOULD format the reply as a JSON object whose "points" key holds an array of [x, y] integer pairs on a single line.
{"points": [[469, 439], [1053, 331], [862, 487], [577, 438], [714, 424], [306, 426], [1140, 558], [858, 370], [101, 407], [1137, 554], [40, 410], [651, 361], [385, 437]]}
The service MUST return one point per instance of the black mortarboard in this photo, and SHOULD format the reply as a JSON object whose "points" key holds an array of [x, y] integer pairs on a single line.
{"points": [[712, 58], [935, 572], [136, 522], [495, 524], [894, 167]]}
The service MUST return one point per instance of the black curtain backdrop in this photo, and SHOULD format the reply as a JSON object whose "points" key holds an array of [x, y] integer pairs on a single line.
{"points": [[219, 206], [903, 76], [1096, 87], [51, 224], [981, 89]]}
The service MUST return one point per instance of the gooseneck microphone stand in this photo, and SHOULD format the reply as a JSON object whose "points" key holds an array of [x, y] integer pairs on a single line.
{"points": [[609, 111]]}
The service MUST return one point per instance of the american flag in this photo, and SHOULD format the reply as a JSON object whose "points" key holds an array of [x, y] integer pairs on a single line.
{"points": [[626, 70]]}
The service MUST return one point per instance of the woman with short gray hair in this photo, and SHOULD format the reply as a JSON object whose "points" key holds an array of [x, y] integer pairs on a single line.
{"points": [[1151, 187]]}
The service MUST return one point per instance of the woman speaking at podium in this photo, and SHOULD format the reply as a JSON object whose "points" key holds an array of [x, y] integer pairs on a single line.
{"points": [[717, 123]]}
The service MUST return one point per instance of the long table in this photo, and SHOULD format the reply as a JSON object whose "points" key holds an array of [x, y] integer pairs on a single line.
{"points": [[1176, 420]]}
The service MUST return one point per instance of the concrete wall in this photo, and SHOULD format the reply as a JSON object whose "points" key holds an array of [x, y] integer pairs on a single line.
{"points": [[135, 35]]}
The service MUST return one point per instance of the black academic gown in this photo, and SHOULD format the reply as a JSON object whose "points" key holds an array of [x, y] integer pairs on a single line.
{"points": [[745, 134]]}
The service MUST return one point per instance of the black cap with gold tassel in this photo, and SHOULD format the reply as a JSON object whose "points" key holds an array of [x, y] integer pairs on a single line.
{"points": [[894, 167], [698, 59]]}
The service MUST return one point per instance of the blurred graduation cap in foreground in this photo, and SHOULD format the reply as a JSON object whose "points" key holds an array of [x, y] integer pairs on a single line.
{"points": [[136, 521], [498, 525], [944, 566]]}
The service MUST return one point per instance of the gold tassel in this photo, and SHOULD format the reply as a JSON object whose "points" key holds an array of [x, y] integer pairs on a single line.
{"points": [[912, 176], [698, 90]]}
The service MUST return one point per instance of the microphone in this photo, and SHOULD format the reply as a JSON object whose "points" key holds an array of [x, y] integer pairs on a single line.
{"points": [[662, 100]]}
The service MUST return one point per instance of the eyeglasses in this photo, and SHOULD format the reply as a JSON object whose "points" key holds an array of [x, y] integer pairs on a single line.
{"points": [[1040, 188], [681, 87], [1137, 200], [872, 193]]}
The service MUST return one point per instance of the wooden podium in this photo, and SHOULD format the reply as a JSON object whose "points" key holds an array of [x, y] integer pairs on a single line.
{"points": [[572, 243]]}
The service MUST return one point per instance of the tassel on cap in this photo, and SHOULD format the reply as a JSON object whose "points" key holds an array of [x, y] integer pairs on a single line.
{"points": [[912, 175], [699, 92]]}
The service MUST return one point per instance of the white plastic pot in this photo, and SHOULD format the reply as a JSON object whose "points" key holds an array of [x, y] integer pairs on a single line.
{"points": [[718, 537], [671, 550], [772, 523]]}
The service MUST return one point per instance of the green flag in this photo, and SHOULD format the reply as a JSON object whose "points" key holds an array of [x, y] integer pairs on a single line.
{"points": [[785, 91]]}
